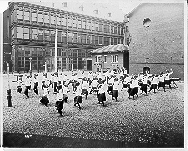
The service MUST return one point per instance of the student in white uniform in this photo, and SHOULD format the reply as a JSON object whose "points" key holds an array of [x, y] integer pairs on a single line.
{"points": [[85, 87], [44, 99], [115, 88], [161, 81], [27, 86], [167, 78], [19, 84], [154, 83], [35, 81], [78, 97]]}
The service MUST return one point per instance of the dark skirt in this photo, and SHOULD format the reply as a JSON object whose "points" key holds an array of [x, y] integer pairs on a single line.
{"points": [[133, 91], [168, 82], [84, 91], [19, 89], [44, 100], [55, 86], [115, 93], [161, 84], [78, 99], [144, 88], [101, 97], [153, 86], [59, 105], [26, 90]]}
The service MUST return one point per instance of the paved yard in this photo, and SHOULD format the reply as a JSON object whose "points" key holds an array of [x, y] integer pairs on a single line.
{"points": [[156, 120]]}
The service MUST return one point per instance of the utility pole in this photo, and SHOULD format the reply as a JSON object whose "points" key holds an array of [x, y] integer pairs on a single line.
{"points": [[55, 58]]}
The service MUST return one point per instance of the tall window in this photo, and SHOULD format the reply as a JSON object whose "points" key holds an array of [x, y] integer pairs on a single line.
{"points": [[64, 20], [75, 38], [83, 24], [106, 29], [88, 39], [79, 24], [88, 25], [58, 52], [106, 41], [105, 58], [34, 34], [93, 26], [34, 16], [40, 34], [100, 27], [53, 19], [58, 19], [59, 36], [115, 30], [26, 15], [74, 22], [47, 35], [115, 58], [70, 37], [64, 37], [84, 38], [119, 30], [112, 29], [69, 21], [115, 41], [40, 17], [100, 40], [96, 40], [96, 26], [20, 14], [26, 33], [93, 39], [46, 18], [52, 35], [112, 40], [79, 38], [20, 32]]}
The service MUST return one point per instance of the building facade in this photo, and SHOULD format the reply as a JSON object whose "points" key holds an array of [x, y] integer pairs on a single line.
{"points": [[160, 45], [30, 36], [110, 57]]}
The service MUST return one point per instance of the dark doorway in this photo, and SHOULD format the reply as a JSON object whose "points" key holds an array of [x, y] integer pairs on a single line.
{"points": [[89, 65], [126, 61], [146, 69]]}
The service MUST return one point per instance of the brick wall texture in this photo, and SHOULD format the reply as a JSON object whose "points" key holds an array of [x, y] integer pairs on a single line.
{"points": [[162, 42]]}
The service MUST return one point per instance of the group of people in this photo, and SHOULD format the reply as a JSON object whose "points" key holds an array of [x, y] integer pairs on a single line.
{"points": [[101, 84]]}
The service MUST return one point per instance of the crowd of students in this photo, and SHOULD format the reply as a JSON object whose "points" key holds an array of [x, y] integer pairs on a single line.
{"points": [[110, 82]]}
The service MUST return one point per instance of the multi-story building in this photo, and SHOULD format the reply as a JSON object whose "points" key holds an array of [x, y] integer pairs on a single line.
{"points": [[29, 35], [160, 45]]}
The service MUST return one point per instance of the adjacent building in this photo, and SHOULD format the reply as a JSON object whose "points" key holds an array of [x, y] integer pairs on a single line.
{"points": [[159, 44], [29, 36]]}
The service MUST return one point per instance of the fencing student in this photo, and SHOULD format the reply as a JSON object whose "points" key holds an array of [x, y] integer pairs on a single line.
{"points": [[161, 81], [115, 88], [19, 84], [110, 85], [144, 86], [85, 87], [101, 94], [154, 83], [55, 81], [44, 99], [167, 78], [35, 81], [27, 86], [78, 97]]}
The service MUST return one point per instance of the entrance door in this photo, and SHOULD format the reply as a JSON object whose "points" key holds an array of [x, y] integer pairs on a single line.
{"points": [[89, 65]]}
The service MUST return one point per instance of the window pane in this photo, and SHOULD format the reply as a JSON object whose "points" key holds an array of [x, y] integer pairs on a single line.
{"points": [[26, 33], [34, 16], [70, 36], [59, 36], [53, 19], [75, 38], [64, 21], [20, 14], [40, 34], [100, 40], [47, 35], [46, 18], [74, 23], [93, 26], [83, 24], [97, 27], [79, 38], [64, 37], [84, 38], [52, 35], [96, 40], [100, 27], [93, 39], [34, 34], [40, 17], [69, 21], [88, 25], [26, 15], [112, 41], [79, 24], [115, 41], [20, 32], [115, 30], [88, 39]]}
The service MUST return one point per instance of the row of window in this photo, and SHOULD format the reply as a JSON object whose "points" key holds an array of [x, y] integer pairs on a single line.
{"points": [[63, 36], [65, 20], [98, 59], [41, 52]]}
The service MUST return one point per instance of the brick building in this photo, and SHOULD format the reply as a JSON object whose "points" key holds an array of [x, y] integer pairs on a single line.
{"points": [[29, 35], [160, 45], [110, 57]]}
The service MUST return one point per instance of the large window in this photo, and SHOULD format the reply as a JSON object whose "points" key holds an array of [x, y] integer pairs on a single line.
{"points": [[34, 34], [69, 22], [63, 21], [40, 17], [112, 40], [106, 29], [75, 38], [88, 25], [26, 33], [88, 39], [83, 24], [93, 26], [58, 52], [40, 34], [59, 36], [70, 37], [46, 18], [100, 27], [115, 58], [53, 19], [20, 51], [20, 32], [47, 35], [106, 41], [58, 20], [96, 40], [52, 35], [27, 51], [74, 23], [79, 24], [96, 26], [115, 41], [93, 39], [119, 30], [26, 15], [84, 38], [20, 14], [79, 38], [115, 30], [34, 16], [100, 40], [64, 37], [112, 29]]}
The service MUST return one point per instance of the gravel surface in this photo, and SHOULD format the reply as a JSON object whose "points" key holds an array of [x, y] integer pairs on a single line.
{"points": [[157, 118]]}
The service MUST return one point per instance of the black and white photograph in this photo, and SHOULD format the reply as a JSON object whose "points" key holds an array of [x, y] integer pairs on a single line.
{"points": [[93, 74]]}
